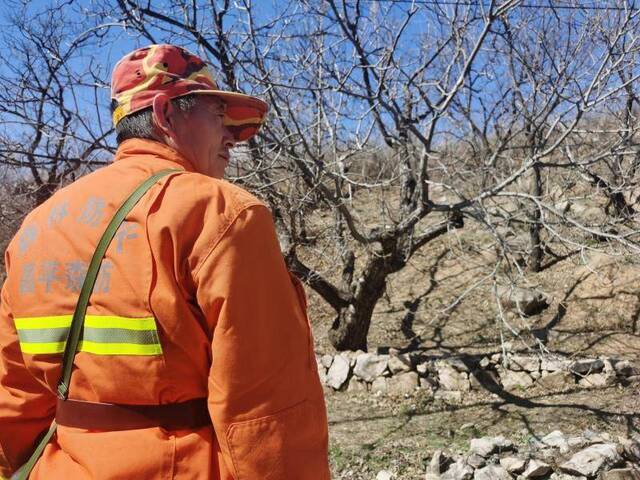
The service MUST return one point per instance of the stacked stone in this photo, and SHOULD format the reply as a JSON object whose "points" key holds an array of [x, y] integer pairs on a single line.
{"points": [[589, 456], [396, 373]]}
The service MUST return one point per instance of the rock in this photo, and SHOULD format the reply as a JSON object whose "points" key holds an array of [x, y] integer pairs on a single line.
{"points": [[555, 381], [596, 437], [625, 368], [593, 459], [486, 446], [576, 442], [585, 367], [526, 301], [400, 363], [322, 373], [451, 379], [402, 383], [484, 380], [357, 385], [437, 463], [379, 385], [422, 368], [553, 364], [475, 460], [457, 364], [563, 476], [326, 360], [384, 475], [338, 372], [485, 362], [511, 380], [491, 472], [513, 464], [524, 363], [596, 380], [536, 469], [426, 386], [458, 471], [555, 439], [621, 474], [369, 366], [631, 450]]}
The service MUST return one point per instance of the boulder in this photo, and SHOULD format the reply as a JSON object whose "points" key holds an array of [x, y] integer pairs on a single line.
{"points": [[338, 372], [475, 460], [511, 380], [526, 301], [621, 474], [596, 380], [513, 464], [631, 450], [379, 385], [587, 366], [524, 363], [486, 446], [400, 363], [554, 364], [384, 475], [451, 379], [458, 471], [491, 472], [556, 439], [536, 469], [438, 463], [402, 383], [556, 381], [625, 368], [357, 385], [326, 360], [368, 366], [590, 461]]}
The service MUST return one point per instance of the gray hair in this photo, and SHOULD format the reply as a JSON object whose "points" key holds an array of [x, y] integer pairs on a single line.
{"points": [[140, 124]]}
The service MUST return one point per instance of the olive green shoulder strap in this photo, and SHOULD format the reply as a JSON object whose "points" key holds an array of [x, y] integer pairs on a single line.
{"points": [[77, 321]]}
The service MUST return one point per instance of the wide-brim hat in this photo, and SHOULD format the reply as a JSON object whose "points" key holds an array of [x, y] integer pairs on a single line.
{"points": [[140, 75]]}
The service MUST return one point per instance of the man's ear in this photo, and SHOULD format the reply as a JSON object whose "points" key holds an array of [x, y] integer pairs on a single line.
{"points": [[164, 115]]}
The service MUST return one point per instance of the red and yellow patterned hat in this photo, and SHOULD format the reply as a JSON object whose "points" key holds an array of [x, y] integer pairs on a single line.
{"points": [[140, 75]]}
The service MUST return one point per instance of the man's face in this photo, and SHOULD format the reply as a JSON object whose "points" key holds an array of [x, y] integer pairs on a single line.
{"points": [[202, 137]]}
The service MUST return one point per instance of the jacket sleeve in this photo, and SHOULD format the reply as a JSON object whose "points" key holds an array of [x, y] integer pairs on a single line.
{"points": [[27, 407], [265, 397]]}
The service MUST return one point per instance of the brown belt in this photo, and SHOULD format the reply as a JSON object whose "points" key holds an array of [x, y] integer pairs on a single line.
{"points": [[191, 414]]}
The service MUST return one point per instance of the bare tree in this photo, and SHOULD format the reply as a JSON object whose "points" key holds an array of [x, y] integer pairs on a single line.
{"points": [[50, 121], [393, 124]]}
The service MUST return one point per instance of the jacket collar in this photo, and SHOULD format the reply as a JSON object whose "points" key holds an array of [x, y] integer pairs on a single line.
{"points": [[136, 147]]}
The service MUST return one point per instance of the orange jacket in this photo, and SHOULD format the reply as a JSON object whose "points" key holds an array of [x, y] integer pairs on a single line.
{"points": [[193, 300]]}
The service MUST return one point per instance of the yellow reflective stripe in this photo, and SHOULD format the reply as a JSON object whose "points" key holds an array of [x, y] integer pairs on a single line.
{"points": [[119, 348], [105, 335], [35, 348], [93, 321], [33, 323], [93, 347]]}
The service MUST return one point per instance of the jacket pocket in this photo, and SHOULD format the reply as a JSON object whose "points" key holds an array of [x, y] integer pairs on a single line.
{"points": [[290, 444]]}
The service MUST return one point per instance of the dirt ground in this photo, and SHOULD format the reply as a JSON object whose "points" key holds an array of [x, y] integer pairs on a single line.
{"points": [[594, 311]]}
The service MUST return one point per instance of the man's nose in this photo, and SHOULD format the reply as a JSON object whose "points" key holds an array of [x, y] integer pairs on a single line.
{"points": [[228, 138]]}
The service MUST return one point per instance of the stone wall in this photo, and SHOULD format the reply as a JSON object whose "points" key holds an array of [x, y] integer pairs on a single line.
{"points": [[555, 456], [396, 373]]}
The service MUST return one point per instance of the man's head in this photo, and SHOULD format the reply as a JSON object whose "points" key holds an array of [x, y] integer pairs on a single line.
{"points": [[165, 93]]}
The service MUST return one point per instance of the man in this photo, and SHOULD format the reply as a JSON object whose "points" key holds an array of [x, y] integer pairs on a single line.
{"points": [[193, 308]]}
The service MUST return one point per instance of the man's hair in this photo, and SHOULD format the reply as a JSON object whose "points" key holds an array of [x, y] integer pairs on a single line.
{"points": [[140, 124]]}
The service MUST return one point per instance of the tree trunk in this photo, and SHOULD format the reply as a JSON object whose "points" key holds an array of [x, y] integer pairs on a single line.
{"points": [[535, 259], [350, 329]]}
